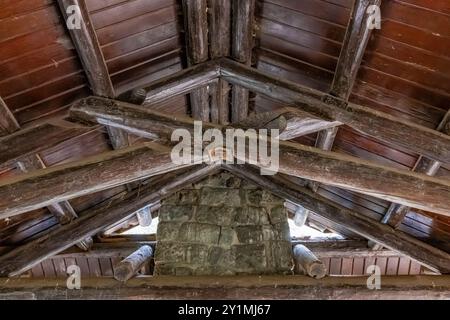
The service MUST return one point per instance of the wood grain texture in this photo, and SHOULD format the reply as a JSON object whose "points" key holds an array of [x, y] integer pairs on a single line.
{"points": [[396, 213], [37, 138], [240, 287], [371, 229], [379, 125], [196, 28], [402, 186], [88, 48], [8, 123], [64, 182], [97, 219], [241, 51]]}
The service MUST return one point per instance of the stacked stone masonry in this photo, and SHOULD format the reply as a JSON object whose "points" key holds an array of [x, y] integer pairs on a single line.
{"points": [[223, 226]]}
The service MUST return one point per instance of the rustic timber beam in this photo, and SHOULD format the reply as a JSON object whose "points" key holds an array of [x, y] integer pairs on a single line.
{"points": [[402, 186], [63, 211], [324, 141], [34, 139], [89, 51], [179, 83], [144, 217], [396, 213], [433, 258], [91, 56], [100, 172], [219, 25], [94, 220], [241, 50], [230, 287], [379, 125], [353, 48], [196, 29], [291, 122], [307, 263], [352, 53], [128, 267], [8, 123]]}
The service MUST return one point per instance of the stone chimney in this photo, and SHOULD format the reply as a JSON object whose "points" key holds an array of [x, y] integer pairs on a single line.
{"points": [[223, 226]]}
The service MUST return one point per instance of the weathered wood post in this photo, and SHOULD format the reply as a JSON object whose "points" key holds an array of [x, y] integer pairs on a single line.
{"points": [[308, 263], [128, 267]]}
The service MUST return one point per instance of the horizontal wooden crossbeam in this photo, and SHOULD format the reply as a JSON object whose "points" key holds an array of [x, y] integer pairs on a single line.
{"points": [[401, 186], [231, 287]]}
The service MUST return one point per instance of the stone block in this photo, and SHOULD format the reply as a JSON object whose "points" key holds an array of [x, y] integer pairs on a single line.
{"points": [[228, 237], [254, 197], [250, 258], [180, 213], [270, 198], [183, 197], [220, 197], [214, 215], [222, 180], [199, 233], [278, 214], [168, 230], [251, 216], [249, 234]]}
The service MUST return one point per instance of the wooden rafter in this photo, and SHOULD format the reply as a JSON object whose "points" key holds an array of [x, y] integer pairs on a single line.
{"points": [[96, 219], [379, 125], [352, 52], [63, 211], [100, 172], [196, 29], [241, 51], [91, 56], [219, 24], [8, 123], [402, 186], [398, 241], [396, 212]]}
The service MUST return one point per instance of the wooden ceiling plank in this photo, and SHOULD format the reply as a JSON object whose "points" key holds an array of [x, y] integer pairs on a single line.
{"points": [[368, 177], [196, 29], [96, 219], [395, 240], [380, 125], [241, 50], [100, 172], [37, 138]]}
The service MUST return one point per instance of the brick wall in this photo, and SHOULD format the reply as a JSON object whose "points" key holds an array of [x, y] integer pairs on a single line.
{"points": [[223, 226]]}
